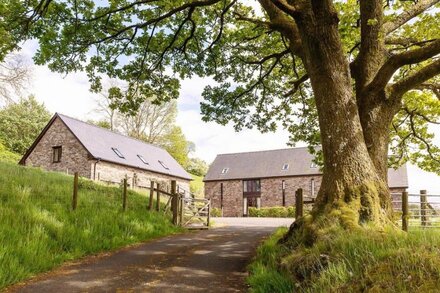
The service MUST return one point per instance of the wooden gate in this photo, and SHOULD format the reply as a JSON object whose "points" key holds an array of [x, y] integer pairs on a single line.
{"points": [[194, 212]]}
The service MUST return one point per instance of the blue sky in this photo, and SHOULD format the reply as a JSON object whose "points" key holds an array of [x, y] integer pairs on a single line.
{"points": [[70, 95]]}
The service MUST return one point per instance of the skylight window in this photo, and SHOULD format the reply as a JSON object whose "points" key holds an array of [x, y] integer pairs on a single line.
{"points": [[143, 160], [313, 165], [163, 165], [118, 153], [225, 170], [285, 167]]}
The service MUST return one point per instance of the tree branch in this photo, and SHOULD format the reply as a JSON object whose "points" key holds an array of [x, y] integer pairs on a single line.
{"points": [[407, 15], [387, 70], [415, 79]]}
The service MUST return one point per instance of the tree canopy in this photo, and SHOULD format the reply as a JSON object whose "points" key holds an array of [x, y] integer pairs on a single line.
{"points": [[21, 123]]}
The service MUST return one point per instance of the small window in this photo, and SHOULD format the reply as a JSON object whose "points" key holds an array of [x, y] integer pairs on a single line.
{"points": [[143, 160], [313, 165], [163, 165], [56, 154], [225, 170], [285, 167], [118, 153]]}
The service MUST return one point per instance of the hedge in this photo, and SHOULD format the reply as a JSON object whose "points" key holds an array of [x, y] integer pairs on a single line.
{"points": [[273, 212]]}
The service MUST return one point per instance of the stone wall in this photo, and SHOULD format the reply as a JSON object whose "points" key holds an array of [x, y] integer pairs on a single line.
{"points": [[232, 196], [137, 178], [74, 156], [271, 192]]}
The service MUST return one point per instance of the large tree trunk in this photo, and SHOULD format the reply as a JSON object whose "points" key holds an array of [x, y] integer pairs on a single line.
{"points": [[352, 186]]}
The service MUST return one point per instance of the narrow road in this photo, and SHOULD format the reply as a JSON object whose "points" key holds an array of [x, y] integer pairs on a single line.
{"points": [[214, 260]]}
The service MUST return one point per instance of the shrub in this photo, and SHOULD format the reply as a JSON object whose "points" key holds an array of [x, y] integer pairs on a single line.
{"points": [[272, 212], [216, 212]]}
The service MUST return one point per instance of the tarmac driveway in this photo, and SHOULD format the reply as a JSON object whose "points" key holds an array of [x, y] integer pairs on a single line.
{"points": [[212, 260]]}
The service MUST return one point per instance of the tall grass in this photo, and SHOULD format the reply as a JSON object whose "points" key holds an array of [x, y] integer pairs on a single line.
{"points": [[38, 230], [358, 261]]}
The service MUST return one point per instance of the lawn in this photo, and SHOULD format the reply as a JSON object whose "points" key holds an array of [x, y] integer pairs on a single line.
{"points": [[357, 261], [39, 231]]}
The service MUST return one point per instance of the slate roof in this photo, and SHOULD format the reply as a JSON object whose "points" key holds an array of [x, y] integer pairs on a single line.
{"points": [[99, 143], [265, 164]]}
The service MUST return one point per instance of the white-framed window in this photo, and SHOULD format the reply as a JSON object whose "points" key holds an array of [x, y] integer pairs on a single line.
{"points": [[225, 170], [285, 167], [163, 165], [312, 187], [143, 160], [118, 153]]}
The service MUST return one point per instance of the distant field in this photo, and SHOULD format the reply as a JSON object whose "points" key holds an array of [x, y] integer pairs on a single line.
{"points": [[38, 230]]}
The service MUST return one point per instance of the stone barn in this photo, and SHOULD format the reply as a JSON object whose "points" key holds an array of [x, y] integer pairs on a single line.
{"points": [[69, 145], [235, 182]]}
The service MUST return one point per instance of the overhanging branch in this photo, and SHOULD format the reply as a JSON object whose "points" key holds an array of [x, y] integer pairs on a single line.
{"points": [[407, 15], [415, 79]]}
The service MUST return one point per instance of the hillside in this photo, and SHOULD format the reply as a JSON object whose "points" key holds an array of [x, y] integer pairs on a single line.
{"points": [[38, 230]]}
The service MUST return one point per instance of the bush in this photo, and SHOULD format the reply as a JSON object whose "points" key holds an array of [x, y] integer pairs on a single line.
{"points": [[216, 212], [272, 212], [8, 156]]}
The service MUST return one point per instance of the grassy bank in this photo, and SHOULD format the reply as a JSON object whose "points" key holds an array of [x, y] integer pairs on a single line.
{"points": [[38, 230], [362, 261]]}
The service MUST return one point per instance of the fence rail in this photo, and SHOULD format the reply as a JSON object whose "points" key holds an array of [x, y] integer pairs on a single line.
{"points": [[420, 210], [186, 210]]}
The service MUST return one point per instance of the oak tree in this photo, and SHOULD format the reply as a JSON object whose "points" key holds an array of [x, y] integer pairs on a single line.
{"points": [[350, 75]]}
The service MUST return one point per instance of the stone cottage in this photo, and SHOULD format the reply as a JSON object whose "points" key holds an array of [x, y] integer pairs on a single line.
{"points": [[235, 182], [70, 145]]}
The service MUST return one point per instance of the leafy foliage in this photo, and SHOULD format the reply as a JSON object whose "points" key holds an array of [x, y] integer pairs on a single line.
{"points": [[20, 124], [197, 167], [7, 156]]}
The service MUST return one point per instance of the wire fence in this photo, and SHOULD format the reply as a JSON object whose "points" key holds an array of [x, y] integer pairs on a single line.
{"points": [[418, 210]]}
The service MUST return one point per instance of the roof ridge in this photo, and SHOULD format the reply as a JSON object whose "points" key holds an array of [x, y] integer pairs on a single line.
{"points": [[108, 130], [261, 151]]}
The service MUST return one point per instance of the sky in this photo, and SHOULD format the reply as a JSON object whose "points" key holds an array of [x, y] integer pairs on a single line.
{"points": [[70, 95]]}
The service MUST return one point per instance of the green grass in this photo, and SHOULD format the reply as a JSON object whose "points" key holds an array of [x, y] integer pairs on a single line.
{"points": [[38, 230], [197, 186], [362, 261], [264, 275]]}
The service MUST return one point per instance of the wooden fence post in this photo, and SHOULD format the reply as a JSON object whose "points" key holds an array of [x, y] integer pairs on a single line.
{"points": [[299, 204], [157, 198], [423, 207], [124, 195], [174, 202], [150, 204], [75, 191], [209, 213], [182, 210], [405, 211]]}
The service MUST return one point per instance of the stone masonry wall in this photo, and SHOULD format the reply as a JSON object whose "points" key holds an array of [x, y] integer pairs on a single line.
{"points": [[232, 196], [141, 179], [74, 156]]}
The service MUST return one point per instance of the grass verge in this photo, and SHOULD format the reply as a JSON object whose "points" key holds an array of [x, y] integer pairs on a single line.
{"points": [[38, 230], [358, 261]]}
